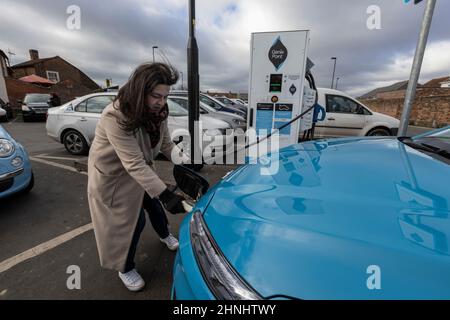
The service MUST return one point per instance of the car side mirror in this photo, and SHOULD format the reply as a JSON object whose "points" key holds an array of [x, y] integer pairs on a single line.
{"points": [[190, 182]]}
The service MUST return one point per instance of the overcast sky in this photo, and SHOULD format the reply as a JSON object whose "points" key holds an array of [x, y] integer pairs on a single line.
{"points": [[117, 35]]}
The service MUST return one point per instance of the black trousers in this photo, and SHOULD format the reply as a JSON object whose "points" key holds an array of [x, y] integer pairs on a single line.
{"points": [[158, 220]]}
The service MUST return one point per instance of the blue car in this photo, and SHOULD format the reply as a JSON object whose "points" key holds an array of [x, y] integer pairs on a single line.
{"points": [[353, 218], [15, 168]]}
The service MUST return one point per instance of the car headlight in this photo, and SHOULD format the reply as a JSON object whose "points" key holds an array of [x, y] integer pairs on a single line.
{"points": [[222, 279], [25, 108], [6, 148]]}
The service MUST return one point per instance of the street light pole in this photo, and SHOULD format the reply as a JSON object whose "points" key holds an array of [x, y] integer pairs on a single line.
{"points": [[193, 88], [337, 80], [153, 48], [334, 70], [417, 64]]}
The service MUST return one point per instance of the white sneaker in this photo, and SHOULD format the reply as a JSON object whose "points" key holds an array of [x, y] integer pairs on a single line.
{"points": [[171, 242], [132, 280]]}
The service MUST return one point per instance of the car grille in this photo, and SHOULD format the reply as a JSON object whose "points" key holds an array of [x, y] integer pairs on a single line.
{"points": [[6, 184]]}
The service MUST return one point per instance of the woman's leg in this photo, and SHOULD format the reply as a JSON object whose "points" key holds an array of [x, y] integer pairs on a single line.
{"points": [[157, 216], [134, 242]]}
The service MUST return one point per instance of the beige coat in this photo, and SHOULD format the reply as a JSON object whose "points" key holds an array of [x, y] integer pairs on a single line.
{"points": [[120, 170]]}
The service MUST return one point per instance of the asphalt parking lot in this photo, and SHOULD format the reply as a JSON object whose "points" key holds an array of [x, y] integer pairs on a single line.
{"points": [[54, 221], [48, 230]]}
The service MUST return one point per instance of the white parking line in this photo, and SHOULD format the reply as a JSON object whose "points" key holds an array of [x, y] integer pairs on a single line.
{"points": [[45, 156], [54, 164], [43, 247]]}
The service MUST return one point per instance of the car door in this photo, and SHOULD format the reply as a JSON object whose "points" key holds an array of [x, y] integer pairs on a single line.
{"points": [[90, 112], [344, 117]]}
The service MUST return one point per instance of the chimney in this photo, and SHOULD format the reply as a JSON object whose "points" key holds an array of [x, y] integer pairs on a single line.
{"points": [[34, 54]]}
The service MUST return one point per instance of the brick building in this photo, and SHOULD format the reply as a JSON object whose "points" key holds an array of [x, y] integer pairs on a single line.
{"points": [[69, 81]]}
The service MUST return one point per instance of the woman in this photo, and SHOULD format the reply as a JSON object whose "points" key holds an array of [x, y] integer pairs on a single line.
{"points": [[130, 134]]}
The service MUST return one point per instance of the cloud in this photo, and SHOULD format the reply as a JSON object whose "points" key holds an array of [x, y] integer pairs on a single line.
{"points": [[117, 36]]}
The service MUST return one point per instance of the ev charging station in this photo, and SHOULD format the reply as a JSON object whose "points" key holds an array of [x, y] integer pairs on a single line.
{"points": [[277, 92]]}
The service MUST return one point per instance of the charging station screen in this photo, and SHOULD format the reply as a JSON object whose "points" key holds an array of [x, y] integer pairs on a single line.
{"points": [[276, 81]]}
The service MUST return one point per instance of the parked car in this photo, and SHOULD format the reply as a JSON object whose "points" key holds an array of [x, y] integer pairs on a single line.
{"points": [[16, 174], [74, 123], [213, 103], [35, 106], [7, 107], [235, 121], [347, 116], [339, 219], [3, 115], [240, 101], [231, 103]]}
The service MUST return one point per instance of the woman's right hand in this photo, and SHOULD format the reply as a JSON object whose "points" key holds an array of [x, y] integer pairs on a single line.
{"points": [[172, 201]]}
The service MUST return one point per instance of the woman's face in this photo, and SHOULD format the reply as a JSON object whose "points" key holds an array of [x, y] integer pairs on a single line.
{"points": [[157, 99]]}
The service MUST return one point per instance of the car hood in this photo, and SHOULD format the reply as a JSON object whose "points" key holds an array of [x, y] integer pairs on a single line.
{"points": [[334, 212]]}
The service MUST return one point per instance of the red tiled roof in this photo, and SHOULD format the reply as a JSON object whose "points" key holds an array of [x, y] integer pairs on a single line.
{"points": [[36, 79]]}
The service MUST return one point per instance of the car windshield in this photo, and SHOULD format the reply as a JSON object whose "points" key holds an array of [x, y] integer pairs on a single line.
{"points": [[185, 104], [35, 98], [435, 143]]}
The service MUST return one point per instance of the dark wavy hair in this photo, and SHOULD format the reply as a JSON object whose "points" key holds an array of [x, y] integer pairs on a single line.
{"points": [[132, 96]]}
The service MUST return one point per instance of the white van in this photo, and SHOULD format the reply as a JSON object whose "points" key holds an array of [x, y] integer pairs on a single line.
{"points": [[347, 116]]}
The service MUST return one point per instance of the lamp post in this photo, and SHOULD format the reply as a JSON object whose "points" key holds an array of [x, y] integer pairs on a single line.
{"points": [[337, 81], [153, 48], [334, 70]]}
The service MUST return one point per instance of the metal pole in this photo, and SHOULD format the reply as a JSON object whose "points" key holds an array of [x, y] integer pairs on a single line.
{"points": [[417, 65], [154, 47], [334, 70], [193, 86]]}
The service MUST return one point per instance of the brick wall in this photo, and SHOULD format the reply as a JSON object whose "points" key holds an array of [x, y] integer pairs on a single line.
{"points": [[427, 111], [18, 89]]}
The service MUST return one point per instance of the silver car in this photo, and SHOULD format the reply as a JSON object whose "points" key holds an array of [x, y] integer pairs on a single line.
{"points": [[73, 124]]}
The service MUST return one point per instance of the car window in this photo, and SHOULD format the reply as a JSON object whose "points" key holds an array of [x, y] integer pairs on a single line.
{"points": [[340, 104], [210, 102], [182, 102], [97, 104], [36, 98], [175, 109], [81, 107]]}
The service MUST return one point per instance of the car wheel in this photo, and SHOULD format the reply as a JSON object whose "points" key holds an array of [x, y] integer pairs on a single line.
{"points": [[30, 185], [75, 143], [379, 132]]}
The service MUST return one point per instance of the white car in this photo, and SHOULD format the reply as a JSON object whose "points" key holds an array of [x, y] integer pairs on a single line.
{"points": [[3, 115], [347, 116], [73, 124]]}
